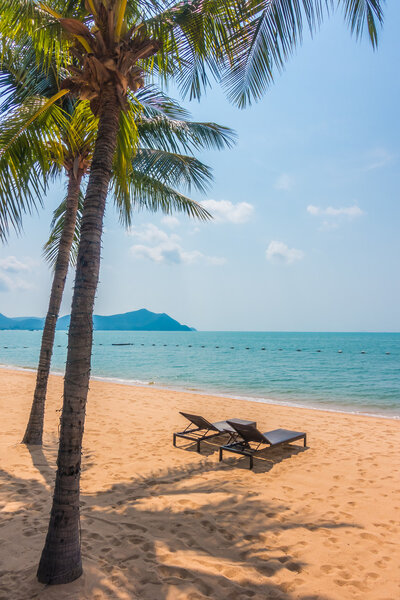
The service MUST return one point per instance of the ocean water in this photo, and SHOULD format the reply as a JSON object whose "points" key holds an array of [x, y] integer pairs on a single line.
{"points": [[354, 372]]}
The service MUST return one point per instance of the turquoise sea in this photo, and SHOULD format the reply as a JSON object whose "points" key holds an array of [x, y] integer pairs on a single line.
{"points": [[354, 372]]}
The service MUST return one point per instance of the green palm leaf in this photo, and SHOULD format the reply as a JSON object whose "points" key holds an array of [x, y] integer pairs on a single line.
{"points": [[175, 135], [25, 18], [273, 31], [177, 170], [50, 248], [29, 159], [149, 193], [361, 14], [154, 103]]}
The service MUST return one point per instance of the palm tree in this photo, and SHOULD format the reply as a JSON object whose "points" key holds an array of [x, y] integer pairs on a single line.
{"points": [[152, 171], [117, 42]]}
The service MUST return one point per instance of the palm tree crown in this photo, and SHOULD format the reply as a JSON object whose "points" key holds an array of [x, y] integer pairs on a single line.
{"points": [[242, 43]]}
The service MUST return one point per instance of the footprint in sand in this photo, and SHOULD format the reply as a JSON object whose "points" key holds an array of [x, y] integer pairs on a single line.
{"points": [[368, 536], [294, 567], [283, 559], [228, 536], [380, 564], [344, 574], [228, 572], [28, 533], [209, 526], [326, 569]]}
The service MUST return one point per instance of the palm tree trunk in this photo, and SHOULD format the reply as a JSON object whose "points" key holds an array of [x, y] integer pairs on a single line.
{"points": [[61, 557], [34, 429]]}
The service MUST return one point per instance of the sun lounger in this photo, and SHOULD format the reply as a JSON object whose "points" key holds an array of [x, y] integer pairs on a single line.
{"points": [[200, 429], [252, 440]]}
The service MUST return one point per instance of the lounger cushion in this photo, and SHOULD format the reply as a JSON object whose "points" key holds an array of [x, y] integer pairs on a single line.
{"points": [[278, 436], [223, 426]]}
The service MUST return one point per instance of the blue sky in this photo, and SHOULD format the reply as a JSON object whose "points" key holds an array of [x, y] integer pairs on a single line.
{"points": [[305, 236]]}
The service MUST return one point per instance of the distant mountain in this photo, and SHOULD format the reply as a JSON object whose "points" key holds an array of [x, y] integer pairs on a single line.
{"points": [[21, 322], [137, 320]]}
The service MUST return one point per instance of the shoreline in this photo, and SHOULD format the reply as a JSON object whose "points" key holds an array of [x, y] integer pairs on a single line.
{"points": [[268, 401]]}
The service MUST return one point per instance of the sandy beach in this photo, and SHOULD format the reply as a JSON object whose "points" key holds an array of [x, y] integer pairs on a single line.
{"points": [[160, 523]]}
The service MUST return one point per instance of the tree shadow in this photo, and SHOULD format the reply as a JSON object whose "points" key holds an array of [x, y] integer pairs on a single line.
{"points": [[161, 537], [41, 464]]}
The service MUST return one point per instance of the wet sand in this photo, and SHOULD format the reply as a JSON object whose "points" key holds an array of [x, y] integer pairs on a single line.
{"points": [[161, 523]]}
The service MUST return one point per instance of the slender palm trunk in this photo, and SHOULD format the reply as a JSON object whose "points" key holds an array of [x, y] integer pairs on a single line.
{"points": [[61, 557], [34, 429]]}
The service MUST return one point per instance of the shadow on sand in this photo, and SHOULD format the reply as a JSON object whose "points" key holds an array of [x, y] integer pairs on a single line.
{"points": [[264, 460], [164, 536]]}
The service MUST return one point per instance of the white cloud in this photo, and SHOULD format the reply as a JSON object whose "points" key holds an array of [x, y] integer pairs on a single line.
{"points": [[224, 210], [12, 265], [378, 158], [281, 253], [314, 210], [348, 211], [284, 182], [151, 234], [161, 247], [170, 221], [11, 284], [329, 225], [10, 268]]}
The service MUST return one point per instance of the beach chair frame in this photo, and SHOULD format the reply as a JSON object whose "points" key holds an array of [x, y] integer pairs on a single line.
{"points": [[203, 430], [253, 440]]}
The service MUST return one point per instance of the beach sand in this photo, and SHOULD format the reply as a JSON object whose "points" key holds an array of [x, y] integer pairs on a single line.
{"points": [[160, 523]]}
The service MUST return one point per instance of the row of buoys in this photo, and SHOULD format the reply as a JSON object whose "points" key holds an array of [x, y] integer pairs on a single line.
{"points": [[191, 346], [231, 347]]}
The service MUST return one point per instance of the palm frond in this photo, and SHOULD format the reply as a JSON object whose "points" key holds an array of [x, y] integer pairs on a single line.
{"points": [[80, 135], [194, 37], [127, 142], [272, 31], [177, 135], [29, 156], [22, 18], [50, 248], [361, 14], [154, 102], [18, 198], [35, 116], [173, 169], [21, 77], [148, 193]]}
